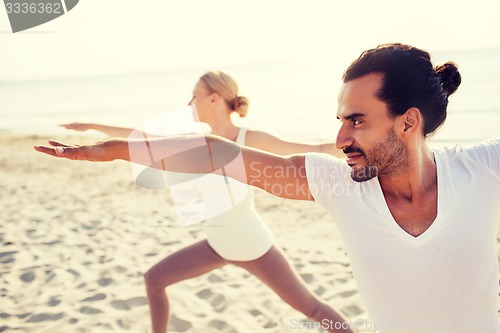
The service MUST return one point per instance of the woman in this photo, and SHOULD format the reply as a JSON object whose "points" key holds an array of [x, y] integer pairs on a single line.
{"points": [[240, 238]]}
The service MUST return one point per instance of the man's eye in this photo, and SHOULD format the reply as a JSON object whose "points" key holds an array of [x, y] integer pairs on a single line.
{"points": [[356, 122]]}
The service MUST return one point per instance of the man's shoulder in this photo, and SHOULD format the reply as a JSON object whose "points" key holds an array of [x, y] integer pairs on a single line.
{"points": [[490, 146], [322, 160], [483, 155], [326, 169]]}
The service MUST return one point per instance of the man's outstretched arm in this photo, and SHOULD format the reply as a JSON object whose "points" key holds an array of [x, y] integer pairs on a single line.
{"points": [[283, 176]]}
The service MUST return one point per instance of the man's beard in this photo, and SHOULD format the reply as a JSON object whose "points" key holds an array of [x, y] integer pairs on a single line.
{"points": [[389, 157]]}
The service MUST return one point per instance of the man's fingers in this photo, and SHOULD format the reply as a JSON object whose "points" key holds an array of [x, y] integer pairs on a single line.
{"points": [[65, 152], [57, 143], [46, 150]]}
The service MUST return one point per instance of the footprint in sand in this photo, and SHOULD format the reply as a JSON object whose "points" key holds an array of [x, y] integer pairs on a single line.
{"points": [[307, 277], [7, 257], [96, 297], [53, 301], [340, 280], [222, 326], [179, 325], [320, 290], [347, 293], [23, 315], [129, 303], [49, 276], [75, 274], [263, 319], [89, 310], [27, 277], [104, 282], [45, 317], [352, 310], [217, 301], [214, 278]]}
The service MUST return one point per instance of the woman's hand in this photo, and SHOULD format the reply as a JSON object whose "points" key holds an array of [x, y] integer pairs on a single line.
{"points": [[77, 126], [100, 152]]}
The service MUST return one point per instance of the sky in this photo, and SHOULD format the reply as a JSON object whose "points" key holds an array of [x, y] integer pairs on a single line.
{"points": [[102, 37]]}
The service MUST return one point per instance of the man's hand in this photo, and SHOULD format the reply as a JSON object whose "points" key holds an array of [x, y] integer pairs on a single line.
{"points": [[99, 152]]}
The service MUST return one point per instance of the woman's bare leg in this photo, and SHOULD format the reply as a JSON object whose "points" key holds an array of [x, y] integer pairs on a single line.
{"points": [[184, 264], [274, 270]]}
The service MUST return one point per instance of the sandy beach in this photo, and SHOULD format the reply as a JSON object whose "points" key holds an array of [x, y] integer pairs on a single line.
{"points": [[77, 237]]}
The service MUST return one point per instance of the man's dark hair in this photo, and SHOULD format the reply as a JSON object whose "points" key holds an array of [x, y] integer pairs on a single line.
{"points": [[409, 80]]}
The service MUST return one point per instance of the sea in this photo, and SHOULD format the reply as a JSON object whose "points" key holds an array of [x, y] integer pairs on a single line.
{"points": [[294, 101]]}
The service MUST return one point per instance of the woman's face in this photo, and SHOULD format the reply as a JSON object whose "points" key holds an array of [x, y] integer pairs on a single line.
{"points": [[203, 102]]}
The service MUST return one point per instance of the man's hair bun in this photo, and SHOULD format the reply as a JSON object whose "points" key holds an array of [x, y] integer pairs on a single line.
{"points": [[450, 77]]}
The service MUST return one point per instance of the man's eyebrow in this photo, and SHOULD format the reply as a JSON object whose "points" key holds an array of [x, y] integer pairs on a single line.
{"points": [[353, 116]]}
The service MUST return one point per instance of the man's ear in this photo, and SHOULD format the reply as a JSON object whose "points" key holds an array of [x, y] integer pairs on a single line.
{"points": [[412, 121]]}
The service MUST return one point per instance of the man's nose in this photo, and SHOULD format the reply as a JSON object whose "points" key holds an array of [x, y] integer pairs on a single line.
{"points": [[344, 138]]}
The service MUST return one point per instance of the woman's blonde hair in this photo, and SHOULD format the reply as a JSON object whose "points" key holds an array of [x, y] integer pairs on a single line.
{"points": [[224, 85]]}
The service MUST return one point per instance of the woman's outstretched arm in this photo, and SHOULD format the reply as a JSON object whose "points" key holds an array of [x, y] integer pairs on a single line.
{"points": [[113, 131], [283, 176], [257, 139], [265, 141]]}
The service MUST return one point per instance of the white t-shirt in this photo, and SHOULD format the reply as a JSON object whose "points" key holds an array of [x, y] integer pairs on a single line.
{"points": [[446, 279]]}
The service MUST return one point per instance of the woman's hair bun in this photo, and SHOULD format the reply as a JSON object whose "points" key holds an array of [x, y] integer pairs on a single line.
{"points": [[449, 76], [240, 105]]}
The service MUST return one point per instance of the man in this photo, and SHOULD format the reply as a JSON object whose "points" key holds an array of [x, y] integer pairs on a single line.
{"points": [[419, 225]]}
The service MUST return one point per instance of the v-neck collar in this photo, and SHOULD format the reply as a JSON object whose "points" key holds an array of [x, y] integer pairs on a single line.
{"points": [[391, 222]]}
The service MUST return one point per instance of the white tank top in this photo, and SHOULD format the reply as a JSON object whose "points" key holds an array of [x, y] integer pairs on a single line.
{"points": [[239, 234]]}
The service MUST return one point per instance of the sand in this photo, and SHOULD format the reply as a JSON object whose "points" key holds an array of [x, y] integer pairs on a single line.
{"points": [[76, 238]]}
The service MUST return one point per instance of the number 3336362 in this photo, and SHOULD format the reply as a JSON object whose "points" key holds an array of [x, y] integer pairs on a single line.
{"points": [[33, 8]]}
